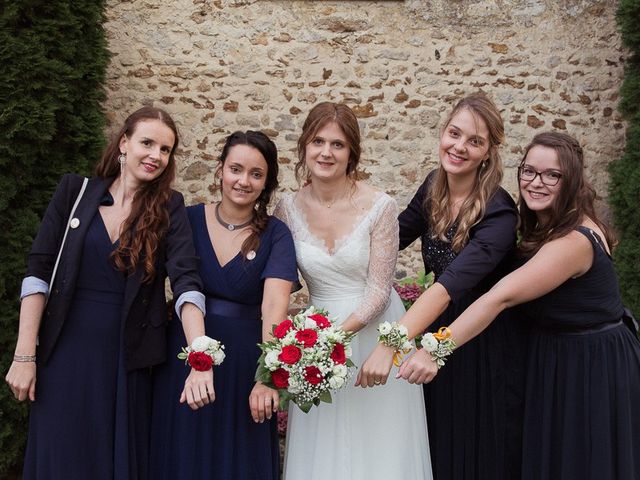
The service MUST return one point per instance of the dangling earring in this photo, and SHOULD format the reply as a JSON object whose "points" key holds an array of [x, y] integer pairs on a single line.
{"points": [[122, 159]]}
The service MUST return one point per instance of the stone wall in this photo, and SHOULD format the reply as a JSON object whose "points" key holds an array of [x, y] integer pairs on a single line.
{"points": [[222, 65]]}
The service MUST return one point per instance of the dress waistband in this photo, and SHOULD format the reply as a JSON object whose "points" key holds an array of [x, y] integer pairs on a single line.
{"points": [[578, 329], [225, 308]]}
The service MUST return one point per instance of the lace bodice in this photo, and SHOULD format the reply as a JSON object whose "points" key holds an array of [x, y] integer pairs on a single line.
{"points": [[361, 264]]}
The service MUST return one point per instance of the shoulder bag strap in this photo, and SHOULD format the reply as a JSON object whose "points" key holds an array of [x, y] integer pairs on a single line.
{"points": [[66, 230]]}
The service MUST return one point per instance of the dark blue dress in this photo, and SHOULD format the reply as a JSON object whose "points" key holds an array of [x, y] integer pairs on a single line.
{"points": [[221, 441], [474, 405], [583, 381], [90, 418]]}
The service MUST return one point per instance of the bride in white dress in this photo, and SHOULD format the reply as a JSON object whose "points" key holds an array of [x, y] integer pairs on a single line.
{"points": [[346, 239]]}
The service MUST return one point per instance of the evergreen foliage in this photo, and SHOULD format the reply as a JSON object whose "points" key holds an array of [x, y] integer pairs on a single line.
{"points": [[54, 57], [625, 171]]}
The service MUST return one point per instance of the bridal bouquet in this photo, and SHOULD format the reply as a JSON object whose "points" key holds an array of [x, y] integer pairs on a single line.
{"points": [[308, 357]]}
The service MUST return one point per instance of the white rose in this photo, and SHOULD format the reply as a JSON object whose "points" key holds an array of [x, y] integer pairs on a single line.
{"points": [[293, 387], [339, 371], [218, 357], [403, 330], [336, 382], [429, 342], [407, 345], [200, 344], [384, 328], [271, 359]]}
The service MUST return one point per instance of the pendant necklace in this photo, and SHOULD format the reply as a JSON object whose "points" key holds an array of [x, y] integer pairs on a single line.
{"points": [[230, 226]]}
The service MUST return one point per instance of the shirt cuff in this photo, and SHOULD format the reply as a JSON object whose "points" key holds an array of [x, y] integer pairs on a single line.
{"points": [[33, 285], [197, 298]]}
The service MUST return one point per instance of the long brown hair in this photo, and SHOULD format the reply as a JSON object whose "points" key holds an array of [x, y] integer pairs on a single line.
{"points": [[487, 180], [320, 115], [574, 201], [148, 220], [269, 151]]}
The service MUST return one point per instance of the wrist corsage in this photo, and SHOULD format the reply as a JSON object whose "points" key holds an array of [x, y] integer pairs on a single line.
{"points": [[395, 336], [439, 345], [203, 353]]}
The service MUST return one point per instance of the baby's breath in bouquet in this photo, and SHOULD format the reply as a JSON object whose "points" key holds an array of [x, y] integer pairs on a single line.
{"points": [[307, 358]]}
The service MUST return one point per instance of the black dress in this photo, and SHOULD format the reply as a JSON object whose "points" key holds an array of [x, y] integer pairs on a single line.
{"points": [[474, 405], [583, 381], [90, 419]]}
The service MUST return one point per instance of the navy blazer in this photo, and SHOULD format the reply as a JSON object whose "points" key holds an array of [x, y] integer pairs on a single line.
{"points": [[144, 311]]}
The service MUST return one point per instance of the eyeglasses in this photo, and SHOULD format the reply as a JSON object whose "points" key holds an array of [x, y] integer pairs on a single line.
{"points": [[547, 177]]}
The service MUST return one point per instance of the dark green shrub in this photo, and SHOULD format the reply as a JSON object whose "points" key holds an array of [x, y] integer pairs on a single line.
{"points": [[54, 56], [625, 171]]}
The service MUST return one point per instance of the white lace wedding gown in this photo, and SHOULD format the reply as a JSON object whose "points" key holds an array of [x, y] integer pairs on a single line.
{"points": [[373, 433]]}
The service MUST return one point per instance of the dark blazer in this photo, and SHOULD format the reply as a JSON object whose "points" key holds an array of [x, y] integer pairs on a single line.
{"points": [[144, 310]]}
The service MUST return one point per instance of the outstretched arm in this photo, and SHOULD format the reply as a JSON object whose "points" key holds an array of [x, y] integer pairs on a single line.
{"points": [[555, 263]]}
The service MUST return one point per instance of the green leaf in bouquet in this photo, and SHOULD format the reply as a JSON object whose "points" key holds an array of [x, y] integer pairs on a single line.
{"points": [[305, 407], [349, 363], [325, 396]]}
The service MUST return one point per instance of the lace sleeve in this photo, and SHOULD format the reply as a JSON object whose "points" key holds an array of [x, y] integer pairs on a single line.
{"points": [[280, 212], [382, 263]]}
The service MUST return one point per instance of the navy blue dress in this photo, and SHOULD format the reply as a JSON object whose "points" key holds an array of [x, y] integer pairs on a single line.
{"points": [[474, 405], [221, 441], [583, 381], [90, 417]]}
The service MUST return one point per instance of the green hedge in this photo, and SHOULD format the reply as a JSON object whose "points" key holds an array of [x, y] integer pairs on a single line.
{"points": [[624, 192], [54, 57]]}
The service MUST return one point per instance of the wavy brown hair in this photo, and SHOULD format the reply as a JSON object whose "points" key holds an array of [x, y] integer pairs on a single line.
{"points": [[319, 116], [487, 181], [269, 151], [148, 220], [574, 201]]}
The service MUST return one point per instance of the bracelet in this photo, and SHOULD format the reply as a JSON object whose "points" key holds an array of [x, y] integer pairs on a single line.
{"points": [[203, 354], [395, 336], [439, 345], [24, 358]]}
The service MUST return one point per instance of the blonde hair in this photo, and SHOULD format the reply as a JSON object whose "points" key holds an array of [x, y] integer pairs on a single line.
{"points": [[487, 180]]}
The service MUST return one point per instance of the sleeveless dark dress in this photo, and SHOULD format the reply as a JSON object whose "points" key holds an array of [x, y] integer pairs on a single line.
{"points": [[583, 381], [474, 405], [90, 417], [221, 441]]}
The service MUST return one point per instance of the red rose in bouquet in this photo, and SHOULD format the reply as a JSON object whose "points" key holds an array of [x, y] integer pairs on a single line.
{"points": [[338, 354], [307, 337], [290, 354], [321, 320], [313, 375], [282, 328], [200, 361], [280, 378]]}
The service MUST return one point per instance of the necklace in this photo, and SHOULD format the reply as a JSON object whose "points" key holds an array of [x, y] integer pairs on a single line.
{"points": [[230, 226], [332, 202]]}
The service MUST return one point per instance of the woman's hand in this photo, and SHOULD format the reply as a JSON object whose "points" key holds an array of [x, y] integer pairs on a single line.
{"points": [[263, 402], [376, 368], [198, 389], [21, 378], [418, 368]]}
